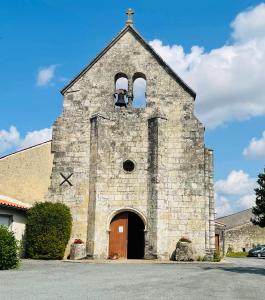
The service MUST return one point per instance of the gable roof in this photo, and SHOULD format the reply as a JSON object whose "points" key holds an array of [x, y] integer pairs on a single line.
{"points": [[129, 28]]}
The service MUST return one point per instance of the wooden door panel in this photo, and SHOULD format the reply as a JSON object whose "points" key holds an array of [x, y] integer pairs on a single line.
{"points": [[217, 242], [118, 236]]}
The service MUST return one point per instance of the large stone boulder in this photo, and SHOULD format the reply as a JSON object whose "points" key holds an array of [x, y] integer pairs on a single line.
{"points": [[184, 251]]}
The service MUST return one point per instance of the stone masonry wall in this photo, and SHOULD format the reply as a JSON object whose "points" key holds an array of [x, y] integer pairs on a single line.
{"points": [[25, 175], [244, 237], [171, 186]]}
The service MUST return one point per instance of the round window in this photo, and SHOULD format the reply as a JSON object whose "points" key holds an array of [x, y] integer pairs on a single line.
{"points": [[128, 166]]}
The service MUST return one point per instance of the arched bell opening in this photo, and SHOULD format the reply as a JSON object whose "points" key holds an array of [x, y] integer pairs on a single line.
{"points": [[126, 236], [121, 90], [139, 90]]}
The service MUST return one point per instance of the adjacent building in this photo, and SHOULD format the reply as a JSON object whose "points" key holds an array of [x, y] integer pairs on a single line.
{"points": [[13, 216], [239, 233]]}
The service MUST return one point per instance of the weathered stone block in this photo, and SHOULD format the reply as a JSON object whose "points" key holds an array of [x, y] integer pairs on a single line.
{"points": [[78, 251], [184, 251]]}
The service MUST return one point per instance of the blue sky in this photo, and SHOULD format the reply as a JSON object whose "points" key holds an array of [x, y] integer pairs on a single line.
{"points": [[217, 47]]}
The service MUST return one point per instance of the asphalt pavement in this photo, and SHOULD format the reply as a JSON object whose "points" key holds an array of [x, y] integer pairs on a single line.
{"points": [[235, 278]]}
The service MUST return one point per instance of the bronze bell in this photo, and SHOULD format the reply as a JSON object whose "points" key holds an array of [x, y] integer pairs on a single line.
{"points": [[121, 97]]}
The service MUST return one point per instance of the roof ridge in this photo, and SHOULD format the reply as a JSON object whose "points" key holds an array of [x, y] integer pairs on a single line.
{"points": [[21, 150], [234, 213]]}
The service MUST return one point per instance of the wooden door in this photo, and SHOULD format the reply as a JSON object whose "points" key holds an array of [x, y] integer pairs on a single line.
{"points": [[217, 242], [118, 236]]}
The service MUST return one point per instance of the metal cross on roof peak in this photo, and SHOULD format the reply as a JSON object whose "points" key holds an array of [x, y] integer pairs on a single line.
{"points": [[129, 13]]}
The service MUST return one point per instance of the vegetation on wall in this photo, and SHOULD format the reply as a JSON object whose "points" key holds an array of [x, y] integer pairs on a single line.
{"points": [[48, 230], [259, 209], [216, 256], [9, 249]]}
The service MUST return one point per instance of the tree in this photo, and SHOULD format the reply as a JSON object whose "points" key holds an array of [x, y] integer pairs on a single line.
{"points": [[48, 230], [9, 249], [259, 209]]}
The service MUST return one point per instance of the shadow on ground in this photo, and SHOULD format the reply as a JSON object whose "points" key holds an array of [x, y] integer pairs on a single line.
{"points": [[240, 270]]}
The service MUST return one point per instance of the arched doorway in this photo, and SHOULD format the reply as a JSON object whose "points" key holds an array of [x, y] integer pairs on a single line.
{"points": [[126, 237]]}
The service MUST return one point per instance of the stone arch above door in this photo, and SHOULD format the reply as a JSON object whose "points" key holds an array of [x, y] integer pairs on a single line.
{"points": [[129, 209]]}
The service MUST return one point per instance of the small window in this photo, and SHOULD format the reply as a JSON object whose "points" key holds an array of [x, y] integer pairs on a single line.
{"points": [[121, 81], [128, 166], [121, 89], [5, 220], [139, 90]]}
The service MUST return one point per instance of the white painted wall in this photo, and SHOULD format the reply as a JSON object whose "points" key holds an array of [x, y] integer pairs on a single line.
{"points": [[18, 222]]}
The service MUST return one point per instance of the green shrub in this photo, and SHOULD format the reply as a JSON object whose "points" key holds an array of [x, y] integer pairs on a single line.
{"points": [[202, 258], [9, 249], [48, 230], [216, 256], [236, 254], [206, 258], [229, 249]]}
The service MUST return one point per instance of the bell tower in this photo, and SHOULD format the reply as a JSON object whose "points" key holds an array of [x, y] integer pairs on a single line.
{"points": [[144, 168]]}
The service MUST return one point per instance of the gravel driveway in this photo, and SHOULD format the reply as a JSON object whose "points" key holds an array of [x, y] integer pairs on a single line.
{"points": [[237, 278]]}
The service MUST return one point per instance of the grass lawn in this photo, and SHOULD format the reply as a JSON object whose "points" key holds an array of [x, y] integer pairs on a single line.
{"points": [[237, 254]]}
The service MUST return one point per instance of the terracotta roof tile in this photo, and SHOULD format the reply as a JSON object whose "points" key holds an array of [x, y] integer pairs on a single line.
{"points": [[12, 204]]}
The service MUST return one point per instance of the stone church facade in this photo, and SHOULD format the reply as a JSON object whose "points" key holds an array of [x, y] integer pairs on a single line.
{"points": [[119, 163]]}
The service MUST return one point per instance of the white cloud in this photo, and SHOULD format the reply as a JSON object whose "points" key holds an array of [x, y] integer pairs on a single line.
{"points": [[234, 193], [45, 75], [222, 206], [246, 201], [249, 24], [236, 183], [11, 140], [256, 148], [36, 137], [229, 80]]}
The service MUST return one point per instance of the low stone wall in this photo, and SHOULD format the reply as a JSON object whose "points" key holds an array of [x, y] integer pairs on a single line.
{"points": [[244, 237]]}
